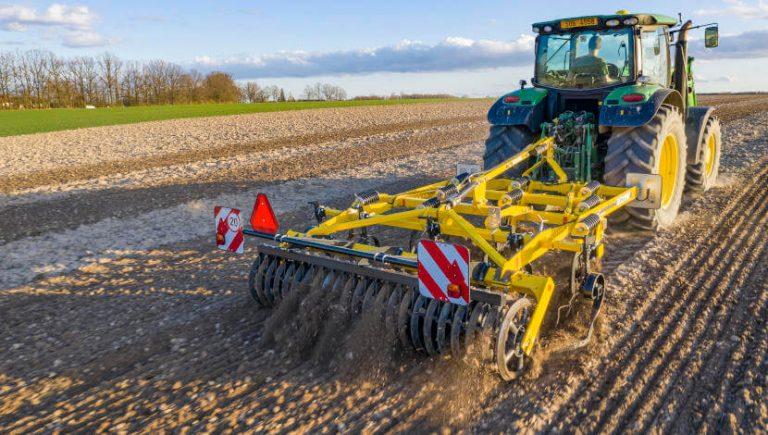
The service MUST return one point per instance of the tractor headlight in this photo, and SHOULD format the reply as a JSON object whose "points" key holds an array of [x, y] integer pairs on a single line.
{"points": [[612, 23], [630, 21], [536, 29], [547, 29]]}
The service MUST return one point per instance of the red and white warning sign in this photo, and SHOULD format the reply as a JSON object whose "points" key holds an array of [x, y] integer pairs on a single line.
{"points": [[229, 229], [444, 271]]}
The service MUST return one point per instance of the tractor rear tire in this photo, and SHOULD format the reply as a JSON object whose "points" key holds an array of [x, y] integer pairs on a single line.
{"points": [[701, 176], [658, 147], [504, 141]]}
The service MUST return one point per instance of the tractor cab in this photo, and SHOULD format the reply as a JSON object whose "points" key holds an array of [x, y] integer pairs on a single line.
{"points": [[583, 59], [617, 93]]}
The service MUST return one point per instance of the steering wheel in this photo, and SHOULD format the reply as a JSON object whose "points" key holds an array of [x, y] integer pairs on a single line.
{"points": [[613, 71], [588, 78]]}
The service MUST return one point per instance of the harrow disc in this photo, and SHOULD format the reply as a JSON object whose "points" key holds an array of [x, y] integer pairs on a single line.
{"points": [[444, 327], [478, 333], [458, 331], [429, 331]]}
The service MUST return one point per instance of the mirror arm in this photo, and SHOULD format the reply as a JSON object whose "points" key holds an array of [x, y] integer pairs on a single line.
{"points": [[672, 32]]}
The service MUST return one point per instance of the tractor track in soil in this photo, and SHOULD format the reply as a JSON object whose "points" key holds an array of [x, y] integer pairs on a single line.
{"points": [[167, 339], [651, 377]]}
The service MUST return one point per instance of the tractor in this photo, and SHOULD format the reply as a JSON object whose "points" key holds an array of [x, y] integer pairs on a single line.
{"points": [[610, 129], [608, 84]]}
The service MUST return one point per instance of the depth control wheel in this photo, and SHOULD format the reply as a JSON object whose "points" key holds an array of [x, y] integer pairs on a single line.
{"points": [[510, 358]]}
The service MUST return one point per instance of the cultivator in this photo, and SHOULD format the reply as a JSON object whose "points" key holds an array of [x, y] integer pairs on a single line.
{"points": [[464, 285]]}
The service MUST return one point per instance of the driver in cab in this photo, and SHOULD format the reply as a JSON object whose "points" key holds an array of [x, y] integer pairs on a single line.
{"points": [[590, 68]]}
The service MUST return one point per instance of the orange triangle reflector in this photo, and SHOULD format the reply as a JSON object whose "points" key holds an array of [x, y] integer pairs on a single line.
{"points": [[263, 218]]}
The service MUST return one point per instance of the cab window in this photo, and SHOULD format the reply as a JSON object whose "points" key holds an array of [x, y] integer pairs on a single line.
{"points": [[655, 56]]}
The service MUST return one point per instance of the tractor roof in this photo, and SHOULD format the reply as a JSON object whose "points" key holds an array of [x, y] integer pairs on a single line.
{"points": [[642, 19]]}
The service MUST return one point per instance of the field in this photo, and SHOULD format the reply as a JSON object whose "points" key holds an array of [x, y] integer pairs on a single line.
{"points": [[17, 122], [118, 314]]}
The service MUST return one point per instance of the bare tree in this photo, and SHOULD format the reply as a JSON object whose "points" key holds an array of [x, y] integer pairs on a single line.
{"points": [[253, 92], [110, 67]]}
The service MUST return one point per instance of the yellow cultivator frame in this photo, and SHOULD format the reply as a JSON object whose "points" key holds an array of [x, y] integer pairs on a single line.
{"points": [[556, 214], [507, 223]]}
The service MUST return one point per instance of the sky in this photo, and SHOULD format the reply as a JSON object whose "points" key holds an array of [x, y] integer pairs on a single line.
{"points": [[473, 48]]}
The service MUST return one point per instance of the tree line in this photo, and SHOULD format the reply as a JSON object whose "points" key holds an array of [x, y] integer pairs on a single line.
{"points": [[41, 79]]}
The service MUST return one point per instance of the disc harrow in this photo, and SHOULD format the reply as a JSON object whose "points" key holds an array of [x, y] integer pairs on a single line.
{"points": [[467, 289]]}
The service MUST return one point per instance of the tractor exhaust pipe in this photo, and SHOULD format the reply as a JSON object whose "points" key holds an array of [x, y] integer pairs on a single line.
{"points": [[680, 78]]}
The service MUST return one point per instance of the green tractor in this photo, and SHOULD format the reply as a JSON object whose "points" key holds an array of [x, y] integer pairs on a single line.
{"points": [[621, 109]]}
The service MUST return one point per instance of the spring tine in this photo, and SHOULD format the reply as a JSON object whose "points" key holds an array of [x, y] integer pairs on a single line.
{"points": [[417, 321], [429, 331], [404, 316], [458, 330], [261, 278], [254, 276], [444, 326], [357, 296], [370, 294]]}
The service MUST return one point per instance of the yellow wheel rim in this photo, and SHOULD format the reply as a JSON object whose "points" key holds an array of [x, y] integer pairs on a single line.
{"points": [[709, 160], [668, 165]]}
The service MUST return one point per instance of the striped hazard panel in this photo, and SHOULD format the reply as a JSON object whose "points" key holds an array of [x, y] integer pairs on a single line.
{"points": [[444, 271]]}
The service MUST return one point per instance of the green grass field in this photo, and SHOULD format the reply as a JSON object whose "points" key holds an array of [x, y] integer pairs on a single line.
{"points": [[37, 121]]}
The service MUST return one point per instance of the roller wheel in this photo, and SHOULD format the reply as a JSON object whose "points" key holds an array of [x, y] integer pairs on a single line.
{"points": [[658, 147], [701, 176], [504, 142], [510, 358]]}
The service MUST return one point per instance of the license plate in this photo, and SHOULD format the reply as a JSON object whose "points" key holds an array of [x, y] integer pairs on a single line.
{"points": [[578, 22]]}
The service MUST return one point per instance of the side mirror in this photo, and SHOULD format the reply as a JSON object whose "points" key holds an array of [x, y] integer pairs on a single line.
{"points": [[522, 84], [711, 37]]}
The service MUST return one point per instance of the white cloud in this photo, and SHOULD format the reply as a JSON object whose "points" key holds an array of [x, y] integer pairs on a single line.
{"points": [[747, 45], [739, 8], [55, 15], [74, 24], [84, 38], [451, 54]]}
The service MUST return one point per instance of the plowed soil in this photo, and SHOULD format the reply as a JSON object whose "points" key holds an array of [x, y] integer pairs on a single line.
{"points": [[156, 331]]}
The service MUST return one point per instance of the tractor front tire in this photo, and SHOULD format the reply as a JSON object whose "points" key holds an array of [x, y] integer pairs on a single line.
{"points": [[504, 141], [658, 147], [701, 176]]}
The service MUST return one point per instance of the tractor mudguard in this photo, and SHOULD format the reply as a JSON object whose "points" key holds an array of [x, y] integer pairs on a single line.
{"points": [[528, 109], [695, 120], [615, 112]]}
